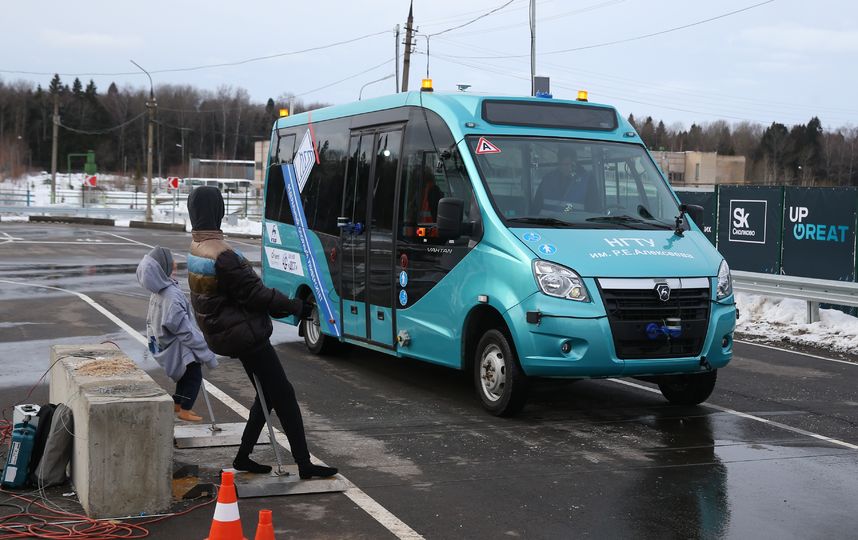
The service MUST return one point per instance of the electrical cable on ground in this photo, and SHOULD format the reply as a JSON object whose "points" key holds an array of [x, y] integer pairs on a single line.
{"points": [[55, 523]]}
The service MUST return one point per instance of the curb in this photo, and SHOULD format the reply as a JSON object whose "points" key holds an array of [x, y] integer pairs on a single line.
{"points": [[70, 219], [242, 235], [156, 225]]}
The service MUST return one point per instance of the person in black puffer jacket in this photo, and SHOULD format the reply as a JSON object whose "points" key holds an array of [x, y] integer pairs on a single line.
{"points": [[233, 308]]}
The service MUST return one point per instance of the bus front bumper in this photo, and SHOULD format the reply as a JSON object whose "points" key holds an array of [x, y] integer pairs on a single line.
{"points": [[583, 347]]}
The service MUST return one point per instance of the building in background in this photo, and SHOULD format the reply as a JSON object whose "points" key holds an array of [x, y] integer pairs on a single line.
{"points": [[700, 168], [260, 157]]}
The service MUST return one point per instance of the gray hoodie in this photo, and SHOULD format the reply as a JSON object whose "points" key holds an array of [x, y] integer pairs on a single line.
{"points": [[170, 322]]}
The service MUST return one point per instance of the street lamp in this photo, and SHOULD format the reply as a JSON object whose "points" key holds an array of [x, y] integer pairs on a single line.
{"points": [[151, 105], [371, 82]]}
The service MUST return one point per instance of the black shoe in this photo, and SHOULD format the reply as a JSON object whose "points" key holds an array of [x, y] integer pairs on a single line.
{"points": [[244, 463], [308, 470]]}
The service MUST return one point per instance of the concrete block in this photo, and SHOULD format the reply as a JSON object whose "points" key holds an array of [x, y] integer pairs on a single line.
{"points": [[123, 422]]}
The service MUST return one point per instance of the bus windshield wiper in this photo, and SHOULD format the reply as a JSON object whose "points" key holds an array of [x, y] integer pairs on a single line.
{"points": [[628, 221], [536, 220]]}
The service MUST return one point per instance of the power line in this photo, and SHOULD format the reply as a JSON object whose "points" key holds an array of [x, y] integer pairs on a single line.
{"points": [[475, 19], [347, 78], [627, 40], [755, 105], [204, 66], [594, 7], [106, 130], [719, 114], [250, 106]]}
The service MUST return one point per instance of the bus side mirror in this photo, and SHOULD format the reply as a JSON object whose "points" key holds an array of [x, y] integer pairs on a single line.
{"points": [[695, 211], [450, 217]]}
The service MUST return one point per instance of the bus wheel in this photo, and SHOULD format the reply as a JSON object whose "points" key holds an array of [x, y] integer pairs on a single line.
{"points": [[311, 329], [688, 389], [499, 381]]}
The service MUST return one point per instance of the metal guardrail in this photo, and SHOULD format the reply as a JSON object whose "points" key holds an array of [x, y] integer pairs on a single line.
{"points": [[813, 291], [73, 211]]}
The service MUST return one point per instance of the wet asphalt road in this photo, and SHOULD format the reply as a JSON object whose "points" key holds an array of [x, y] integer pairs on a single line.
{"points": [[588, 459]]}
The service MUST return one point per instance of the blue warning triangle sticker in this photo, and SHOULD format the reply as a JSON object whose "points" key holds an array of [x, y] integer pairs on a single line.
{"points": [[485, 147]]}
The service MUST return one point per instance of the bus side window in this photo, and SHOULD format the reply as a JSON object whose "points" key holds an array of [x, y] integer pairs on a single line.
{"points": [[323, 193], [426, 179], [276, 203]]}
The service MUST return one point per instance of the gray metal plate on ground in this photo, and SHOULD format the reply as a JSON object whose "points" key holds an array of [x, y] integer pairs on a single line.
{"points": [[202, 436], [249, 485]]}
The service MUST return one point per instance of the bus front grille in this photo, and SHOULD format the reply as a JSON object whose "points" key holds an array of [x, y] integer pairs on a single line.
{"points": [[631, 312]]}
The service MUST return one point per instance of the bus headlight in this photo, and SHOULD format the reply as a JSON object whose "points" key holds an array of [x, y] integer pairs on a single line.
{"points": [[559, 281], [725, 281]]}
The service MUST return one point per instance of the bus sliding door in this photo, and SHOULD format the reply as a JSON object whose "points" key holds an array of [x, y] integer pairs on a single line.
{"points": [[367, 244]]}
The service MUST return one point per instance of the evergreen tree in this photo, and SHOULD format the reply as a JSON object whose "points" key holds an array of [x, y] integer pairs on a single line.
{"points": [[660, 136], [647, 132], [56, 85]]}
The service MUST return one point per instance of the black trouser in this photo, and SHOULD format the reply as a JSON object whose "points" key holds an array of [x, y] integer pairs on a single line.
{"points": [[280, 395], [188, 387]]}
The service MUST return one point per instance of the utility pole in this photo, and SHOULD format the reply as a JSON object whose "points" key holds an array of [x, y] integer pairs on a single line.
{"points": [[406, 63], [56, 132], [396, 60], [532, 47], [151, 105]]}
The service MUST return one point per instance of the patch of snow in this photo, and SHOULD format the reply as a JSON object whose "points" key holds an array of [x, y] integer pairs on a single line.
{"points": [[785, 320]]}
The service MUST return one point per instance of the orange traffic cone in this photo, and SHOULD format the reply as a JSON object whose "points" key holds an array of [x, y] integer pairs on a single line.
{"points": [[265, 530], [226, 524]]}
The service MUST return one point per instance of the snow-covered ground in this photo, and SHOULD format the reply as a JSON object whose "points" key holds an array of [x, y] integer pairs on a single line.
{"points": [[784, 320], [117, 188], [776, 320]]}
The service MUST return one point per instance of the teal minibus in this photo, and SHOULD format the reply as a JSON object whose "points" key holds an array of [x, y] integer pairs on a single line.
{"points": [[514, 237]]}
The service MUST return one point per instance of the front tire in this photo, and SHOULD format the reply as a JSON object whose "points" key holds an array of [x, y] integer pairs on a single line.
{"points": [[499, 381], [691, 389], [317, 342]]}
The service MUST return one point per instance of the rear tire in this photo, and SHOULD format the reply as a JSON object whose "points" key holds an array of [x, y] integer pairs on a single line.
{"points": [[498, 379], [691, 389], [317, 342]]}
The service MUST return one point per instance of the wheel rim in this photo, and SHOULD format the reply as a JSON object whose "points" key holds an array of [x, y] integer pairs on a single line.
{"points": [[312, 328], [492, 373]]}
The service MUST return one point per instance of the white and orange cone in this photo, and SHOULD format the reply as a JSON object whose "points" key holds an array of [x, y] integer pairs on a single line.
{"points": [[226, 524]]}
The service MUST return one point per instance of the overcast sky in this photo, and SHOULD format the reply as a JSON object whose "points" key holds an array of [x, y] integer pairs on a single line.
{"points": [[784, 61]]}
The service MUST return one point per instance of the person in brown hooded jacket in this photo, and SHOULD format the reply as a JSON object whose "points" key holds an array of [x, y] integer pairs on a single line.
{"points": [[233, 308]]}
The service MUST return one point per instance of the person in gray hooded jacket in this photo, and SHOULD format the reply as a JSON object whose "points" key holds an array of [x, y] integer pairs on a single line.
{"points": [[174, 338]]}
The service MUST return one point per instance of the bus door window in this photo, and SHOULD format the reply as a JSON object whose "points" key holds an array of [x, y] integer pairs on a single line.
{"points": [[380, 278], [354, 244]]}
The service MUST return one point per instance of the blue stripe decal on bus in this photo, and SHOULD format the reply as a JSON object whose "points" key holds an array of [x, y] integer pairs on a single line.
{"points": [[300, 219]]}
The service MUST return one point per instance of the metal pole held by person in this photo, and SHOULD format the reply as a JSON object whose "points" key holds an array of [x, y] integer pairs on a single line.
{"points": [[261, 394]]}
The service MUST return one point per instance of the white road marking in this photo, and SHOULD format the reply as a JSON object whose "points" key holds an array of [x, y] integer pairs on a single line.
{"points": [[131, 240], [796, 352], [749, 417], [358, 496], [76, 243]]}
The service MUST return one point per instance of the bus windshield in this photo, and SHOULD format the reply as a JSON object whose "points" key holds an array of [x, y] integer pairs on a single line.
{"points": [[573, 183]]}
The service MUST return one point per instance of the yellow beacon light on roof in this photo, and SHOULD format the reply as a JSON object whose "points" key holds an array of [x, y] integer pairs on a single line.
{"points": [[426, 85], [284, 112], [582, 95]]}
